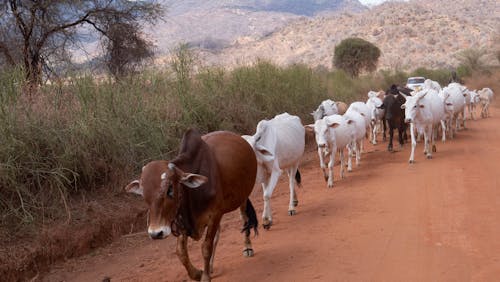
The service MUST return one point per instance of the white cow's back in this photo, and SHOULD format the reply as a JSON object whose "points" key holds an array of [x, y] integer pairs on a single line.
{"points": [[342, 133], [285, 135], [361, 108]]}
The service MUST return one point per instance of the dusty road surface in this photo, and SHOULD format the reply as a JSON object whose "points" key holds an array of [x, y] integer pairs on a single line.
{"points": [[435, 220]]}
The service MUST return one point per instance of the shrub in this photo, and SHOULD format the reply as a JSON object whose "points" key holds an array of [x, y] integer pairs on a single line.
{"points": [[354, 55]]}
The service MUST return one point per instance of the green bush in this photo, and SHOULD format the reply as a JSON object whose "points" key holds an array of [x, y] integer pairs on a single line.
{"points": [[354, 55]]}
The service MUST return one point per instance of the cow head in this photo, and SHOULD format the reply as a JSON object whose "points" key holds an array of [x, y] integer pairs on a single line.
{"points": [[159, 184], [412, 106], [321, 130], [318, 113]]}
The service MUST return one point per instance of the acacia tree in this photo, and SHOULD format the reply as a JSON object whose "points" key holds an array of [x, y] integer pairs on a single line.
{"points": [[39, 31], [125, 49], [354, 55]]}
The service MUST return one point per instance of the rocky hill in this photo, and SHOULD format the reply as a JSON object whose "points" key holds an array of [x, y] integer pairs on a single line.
{"points": [[215, 24], [409, 34]]}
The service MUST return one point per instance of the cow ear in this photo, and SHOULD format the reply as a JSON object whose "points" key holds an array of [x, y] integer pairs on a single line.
{"points": [[264, 153], [134, 187], [334, 124], [192, 180]]}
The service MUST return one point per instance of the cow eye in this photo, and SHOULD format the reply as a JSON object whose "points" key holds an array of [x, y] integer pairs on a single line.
{"points": [[170, 191]]}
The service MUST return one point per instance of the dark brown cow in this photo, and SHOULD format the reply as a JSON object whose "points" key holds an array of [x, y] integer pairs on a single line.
{"points": [[394, 116], [212, 175]]}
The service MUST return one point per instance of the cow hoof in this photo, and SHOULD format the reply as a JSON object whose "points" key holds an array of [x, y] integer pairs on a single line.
{"points": [[429, 157], [267, 224], [248, 252], [295, 203], [197, 275], [205, 278], [291, 212], [349, 170], [434, 148], [326, 178], [411, 161]]}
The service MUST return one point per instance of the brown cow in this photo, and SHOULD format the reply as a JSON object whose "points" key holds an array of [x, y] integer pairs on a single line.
{"points": [[212, 175]]}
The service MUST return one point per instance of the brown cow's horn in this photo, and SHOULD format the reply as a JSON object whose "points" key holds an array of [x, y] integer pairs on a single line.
{"points": [[171, 166]]}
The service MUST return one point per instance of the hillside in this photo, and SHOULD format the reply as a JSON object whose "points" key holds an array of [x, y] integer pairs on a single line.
{"points": [[217, 24], [409, 34]]}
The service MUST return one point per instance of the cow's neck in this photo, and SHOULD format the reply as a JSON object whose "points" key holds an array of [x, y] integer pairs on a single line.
{"points": [[195, 202]]}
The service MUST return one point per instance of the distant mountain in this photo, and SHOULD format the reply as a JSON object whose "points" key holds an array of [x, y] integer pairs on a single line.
{"points": [[216, 24], [411, 34]]}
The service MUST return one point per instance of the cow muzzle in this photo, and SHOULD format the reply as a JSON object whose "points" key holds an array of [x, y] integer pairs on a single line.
{"points": [[408, 120], [159, 233]]}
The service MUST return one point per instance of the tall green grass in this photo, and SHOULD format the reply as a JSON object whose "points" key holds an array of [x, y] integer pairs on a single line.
{"points": [[88, 133]]}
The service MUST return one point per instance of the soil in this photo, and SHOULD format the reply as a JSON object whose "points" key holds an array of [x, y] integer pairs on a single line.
{"points": [[388, 220]]}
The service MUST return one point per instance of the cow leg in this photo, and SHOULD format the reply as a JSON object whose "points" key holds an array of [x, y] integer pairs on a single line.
{"points": [[413, 143], [400, 136], [391, 135], [350, 149], [342, 164], [183, 256], [291, 179], [373, 128], [322, 163], [267, 218], [450, 126], [216, 240], [207, 248], [443, 130], [464, 115], [248, 250], [385, 130], [357, 145], [330, 166], [426, 141]]}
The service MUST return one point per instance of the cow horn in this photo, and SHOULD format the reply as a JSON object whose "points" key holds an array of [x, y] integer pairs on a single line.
{"points": [[403, 94]]}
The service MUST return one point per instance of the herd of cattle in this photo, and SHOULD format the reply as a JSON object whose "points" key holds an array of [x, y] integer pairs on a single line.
{"points": [[215, 173]]}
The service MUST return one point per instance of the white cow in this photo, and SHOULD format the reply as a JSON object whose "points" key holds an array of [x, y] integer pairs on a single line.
{"points": [[333, 133], [374, 103], [279, 145], [474, 101], [485, 96], [448, 114], [431, 84], [457, 98], [329, 107], [358, 126], [365, 111], [423, 111]]}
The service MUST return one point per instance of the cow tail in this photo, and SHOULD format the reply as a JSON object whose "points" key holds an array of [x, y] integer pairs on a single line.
{"points": [[298, 178], [252, 221]]}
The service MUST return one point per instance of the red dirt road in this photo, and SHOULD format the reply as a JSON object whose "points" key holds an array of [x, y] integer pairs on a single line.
{"points": [[435, 220]]}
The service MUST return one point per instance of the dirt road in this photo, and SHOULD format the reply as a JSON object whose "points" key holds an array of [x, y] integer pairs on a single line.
{"points": [[435, 220]]}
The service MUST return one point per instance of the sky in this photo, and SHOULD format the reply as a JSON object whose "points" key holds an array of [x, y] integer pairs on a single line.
{"points": [[371, 2], [376, 2]]}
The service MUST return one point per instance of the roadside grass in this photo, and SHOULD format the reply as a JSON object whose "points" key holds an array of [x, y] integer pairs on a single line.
{"points": [[86, 133]]}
